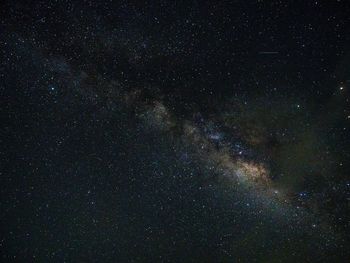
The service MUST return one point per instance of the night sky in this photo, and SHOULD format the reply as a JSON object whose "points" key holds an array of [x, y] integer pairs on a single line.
{"points": [[175, 131]]}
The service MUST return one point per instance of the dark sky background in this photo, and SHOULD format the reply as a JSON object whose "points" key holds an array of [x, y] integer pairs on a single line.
{"points": [[175, 131]]}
